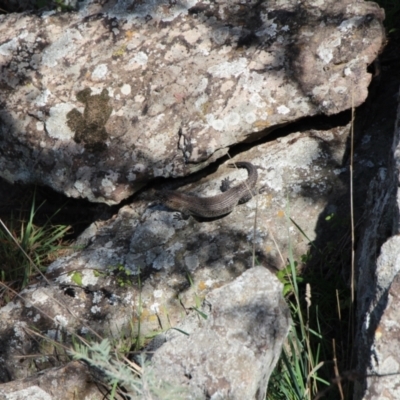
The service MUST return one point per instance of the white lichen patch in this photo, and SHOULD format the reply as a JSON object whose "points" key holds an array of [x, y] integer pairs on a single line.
{"points": [[65, 46], [140, 59], [8, 48], [201, 86], [97, 297], [250, 117], [326, 49], [95, 309], [139, 98], [80, 186], [43, 97], [61, 320], [100, 72], [257, 100], [228, 69], [39, 297], [232, 119], [347, 71], [217, 124], [107, 185], [19, 329], [56, 124], [252, 81], [200, 101], [83, 189], [88, 276], [295, 170], [351, 23], [126, 89], [159, 143], [283, 110]]}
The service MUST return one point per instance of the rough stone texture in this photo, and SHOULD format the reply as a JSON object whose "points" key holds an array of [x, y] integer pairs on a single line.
{"points": [[56, 311], [180, 260], [385, 350], [96, 105], [231, 354], [69, 382], [378, 283]]}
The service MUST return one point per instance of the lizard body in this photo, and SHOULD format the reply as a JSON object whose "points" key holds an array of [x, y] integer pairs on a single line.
{"points": [[214, 206]]}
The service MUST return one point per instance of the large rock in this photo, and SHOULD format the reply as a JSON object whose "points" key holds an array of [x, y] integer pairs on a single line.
{"points": [[145, 265], [69, 382], [378, 262], [96, 105], [231, 353]]}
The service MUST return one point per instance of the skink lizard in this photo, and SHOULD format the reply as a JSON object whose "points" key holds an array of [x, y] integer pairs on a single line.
{"points": [[214, 206]]}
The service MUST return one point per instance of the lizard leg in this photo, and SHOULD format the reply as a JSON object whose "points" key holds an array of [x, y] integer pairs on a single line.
{"points": [[226, 184]]}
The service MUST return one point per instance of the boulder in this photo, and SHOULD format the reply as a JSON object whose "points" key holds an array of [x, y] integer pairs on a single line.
{"points": [[95, 105], [229, 351], [378, 266]]}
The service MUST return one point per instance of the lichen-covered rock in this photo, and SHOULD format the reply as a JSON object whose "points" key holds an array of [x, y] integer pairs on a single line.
{"points": [[69, 382], [145, 265], [218, 358], [96, 105]]}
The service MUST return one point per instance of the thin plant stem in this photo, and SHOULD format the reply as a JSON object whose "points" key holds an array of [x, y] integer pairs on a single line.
{"points": [[352, 283], [335, 366]]}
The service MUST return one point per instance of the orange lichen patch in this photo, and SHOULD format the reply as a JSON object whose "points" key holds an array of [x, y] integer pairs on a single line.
{"points": [[202, 285], [378, 333], [143, 316], [281, 213], [152, 318], [129, 34], [268, 248], [261, 124]]}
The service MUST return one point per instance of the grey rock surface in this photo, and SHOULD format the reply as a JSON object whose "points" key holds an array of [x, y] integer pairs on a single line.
{"points": [[179, 260], [97, 105], [378, 261], [69, 382], [231, 353]]}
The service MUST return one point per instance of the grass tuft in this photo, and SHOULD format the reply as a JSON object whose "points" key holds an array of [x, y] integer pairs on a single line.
{"points": [[26, 248]]}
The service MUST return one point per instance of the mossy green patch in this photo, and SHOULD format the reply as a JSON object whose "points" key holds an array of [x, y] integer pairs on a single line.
{"points": [[89, 128]]}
